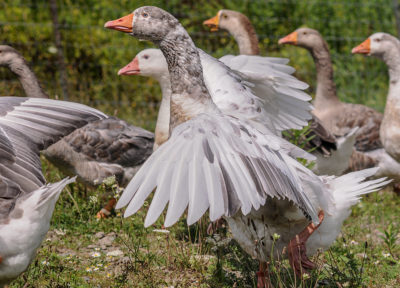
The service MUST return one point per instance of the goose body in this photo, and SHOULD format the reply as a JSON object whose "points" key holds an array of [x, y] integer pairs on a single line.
{"points": [[332, 153], [94, 152], [217, 162], [27, 126]]}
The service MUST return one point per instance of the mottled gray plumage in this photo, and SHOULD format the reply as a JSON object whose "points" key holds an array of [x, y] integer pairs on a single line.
{"points": [[110, 146], [96, 151]]}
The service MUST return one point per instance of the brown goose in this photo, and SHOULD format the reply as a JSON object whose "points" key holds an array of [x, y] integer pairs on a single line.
{"points": [[332, 154], [212, 160], [96, 151], [27, 126], [337, 116]]}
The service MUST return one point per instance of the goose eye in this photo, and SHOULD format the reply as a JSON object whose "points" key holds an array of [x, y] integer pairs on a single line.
{"points": [[145, 15], [146, 56], [225, 16], [378, 40], [304, 33]]}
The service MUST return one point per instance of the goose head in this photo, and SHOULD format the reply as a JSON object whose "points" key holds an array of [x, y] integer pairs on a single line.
{"points": [[9, 55], [378, 45], [149, 62], [228, 20], [304, 37], [145, 23]]}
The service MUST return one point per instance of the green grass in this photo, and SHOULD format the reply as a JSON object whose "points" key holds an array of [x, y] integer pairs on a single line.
{"points": [[366, 254]]}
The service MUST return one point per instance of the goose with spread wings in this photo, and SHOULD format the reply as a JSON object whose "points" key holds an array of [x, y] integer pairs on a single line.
{"points": [[27, 126], [221, 163]]}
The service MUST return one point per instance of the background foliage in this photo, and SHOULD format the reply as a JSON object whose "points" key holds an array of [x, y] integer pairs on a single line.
{"points": [[94, 54]]}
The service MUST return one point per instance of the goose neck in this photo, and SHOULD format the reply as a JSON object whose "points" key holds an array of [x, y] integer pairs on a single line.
{"points": [[162, 125], [189, 96], [246, 39], [27, 79], [326, 88], [392, 60]]}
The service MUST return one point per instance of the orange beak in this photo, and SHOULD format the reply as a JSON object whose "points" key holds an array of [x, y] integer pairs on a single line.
{"points": [[131, 69], [123, 24], [363, 48], [289, 39], [212, 23]]}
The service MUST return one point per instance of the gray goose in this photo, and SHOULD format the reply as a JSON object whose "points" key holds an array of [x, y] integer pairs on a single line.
{"points": [[27, 126], [94, 152], [212, 160], [332, 153]]}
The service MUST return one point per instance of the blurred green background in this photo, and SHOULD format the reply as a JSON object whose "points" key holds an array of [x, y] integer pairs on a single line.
{"points": [[93, 55]]}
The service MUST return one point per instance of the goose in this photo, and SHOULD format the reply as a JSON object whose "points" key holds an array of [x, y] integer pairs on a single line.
{"points": [[28, 125], [387, 48], [213, 161], [94, 152], [333, 153], [339, 117]]}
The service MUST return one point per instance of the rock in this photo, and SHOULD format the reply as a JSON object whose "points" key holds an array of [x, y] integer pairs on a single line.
{"points": [[107, 240], [100, 235], [115, 253]]}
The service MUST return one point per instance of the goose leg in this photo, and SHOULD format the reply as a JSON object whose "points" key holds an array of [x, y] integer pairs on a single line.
{"points": [[106, 210], [263, 275], [213, 226], [1, 259], [297, 249]]}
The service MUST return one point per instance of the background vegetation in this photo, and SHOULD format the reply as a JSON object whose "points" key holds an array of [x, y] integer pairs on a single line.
{"points": [[74, 254]]}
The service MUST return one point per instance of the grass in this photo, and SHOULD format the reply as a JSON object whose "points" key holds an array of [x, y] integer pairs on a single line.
{"points": [[81, 251]]}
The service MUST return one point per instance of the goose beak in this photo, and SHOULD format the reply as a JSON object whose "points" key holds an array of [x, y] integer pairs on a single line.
{"points": [[289, 39], [123, 24], [363, 48], [212, 23], [131, 69]]}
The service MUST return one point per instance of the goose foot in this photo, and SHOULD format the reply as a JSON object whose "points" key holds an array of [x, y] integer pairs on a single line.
{"points": [[297, 249], [396, 188], [263, 276], [214, 226], [106, 210]]}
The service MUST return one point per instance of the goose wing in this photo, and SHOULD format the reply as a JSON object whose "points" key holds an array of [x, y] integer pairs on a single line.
{"points": [[213, 162], [283, 98], [112, 140], [28, 125]]}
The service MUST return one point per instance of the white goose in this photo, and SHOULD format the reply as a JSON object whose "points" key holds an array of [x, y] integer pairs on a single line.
{"points": [[213, 160], [28, 125], [387, 48], [94, 152]]}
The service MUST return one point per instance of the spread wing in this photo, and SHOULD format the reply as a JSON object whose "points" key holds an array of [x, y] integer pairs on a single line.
{"points": [[215, 162], [283, 98], [28, 125]]}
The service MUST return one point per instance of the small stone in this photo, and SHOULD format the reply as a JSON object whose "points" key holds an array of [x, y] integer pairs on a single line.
{"points": [[107, 240], [115, 253], [100, 235]]}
